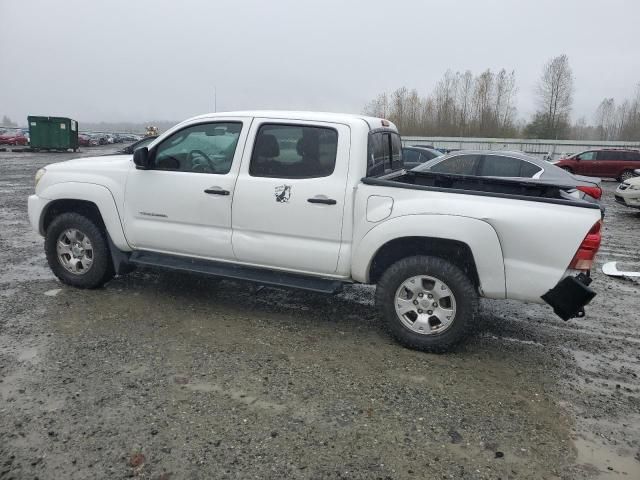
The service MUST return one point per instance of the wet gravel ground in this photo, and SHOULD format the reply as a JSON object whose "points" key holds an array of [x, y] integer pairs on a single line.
{"points": [[166, 376]]}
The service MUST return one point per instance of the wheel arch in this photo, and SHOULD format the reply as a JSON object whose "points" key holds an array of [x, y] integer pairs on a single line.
{"points": [[471, 244], [454, 251], [91, 200]]}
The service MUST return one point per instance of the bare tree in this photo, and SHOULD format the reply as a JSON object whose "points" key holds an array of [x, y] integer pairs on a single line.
{"points": [[465, 91], [605, 119], [460, 104], [378, 107], [555, 95], [6, 122]]}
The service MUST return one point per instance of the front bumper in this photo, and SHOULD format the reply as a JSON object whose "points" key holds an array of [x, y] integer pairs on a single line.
{"points": [[627, 196], [569, 296], [35, 206]]}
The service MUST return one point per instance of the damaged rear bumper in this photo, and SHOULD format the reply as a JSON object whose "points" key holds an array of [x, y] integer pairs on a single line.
{"points": [[569, 296]]}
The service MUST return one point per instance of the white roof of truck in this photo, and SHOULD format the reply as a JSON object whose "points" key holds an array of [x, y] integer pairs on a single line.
{"points": [[347, 118]]}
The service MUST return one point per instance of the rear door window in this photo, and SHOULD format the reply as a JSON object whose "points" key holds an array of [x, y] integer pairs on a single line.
{"points": [[609, 155], [294, 151], [501, 166], [458, 165]]}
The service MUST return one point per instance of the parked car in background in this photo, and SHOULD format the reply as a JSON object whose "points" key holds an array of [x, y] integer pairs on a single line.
{"points": [[628, 192], [14, 137], [414, 156], [488, 163], [606, 162], [84, 140], [135, 146], [100, 138]]}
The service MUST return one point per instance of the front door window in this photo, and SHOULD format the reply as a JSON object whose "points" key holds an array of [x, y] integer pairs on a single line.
{"points": [[204, 148]]}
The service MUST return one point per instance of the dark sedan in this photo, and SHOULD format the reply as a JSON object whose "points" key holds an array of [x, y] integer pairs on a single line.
{"points": [[503, 164]]}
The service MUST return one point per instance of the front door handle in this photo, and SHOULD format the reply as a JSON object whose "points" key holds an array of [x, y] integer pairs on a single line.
{"points": [[216, 191], [322, 199]]}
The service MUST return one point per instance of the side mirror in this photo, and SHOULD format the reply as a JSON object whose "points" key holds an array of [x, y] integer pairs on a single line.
{"points": [[141, 158]]}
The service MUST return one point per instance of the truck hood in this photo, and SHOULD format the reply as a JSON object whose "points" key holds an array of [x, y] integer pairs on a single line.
{"points": [[111, 162]]}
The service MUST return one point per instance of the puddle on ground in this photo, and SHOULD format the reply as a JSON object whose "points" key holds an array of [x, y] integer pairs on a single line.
{"points": [[28, 354], [603, 462]]}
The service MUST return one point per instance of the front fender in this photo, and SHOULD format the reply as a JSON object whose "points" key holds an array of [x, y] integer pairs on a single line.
{"points": [[99, 195], [481, 238]]}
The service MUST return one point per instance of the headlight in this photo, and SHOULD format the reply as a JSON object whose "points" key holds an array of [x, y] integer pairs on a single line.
{"points": [[39, 174]]}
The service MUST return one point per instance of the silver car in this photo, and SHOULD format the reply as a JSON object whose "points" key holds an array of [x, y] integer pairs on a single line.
{"points": [[513, 165]]}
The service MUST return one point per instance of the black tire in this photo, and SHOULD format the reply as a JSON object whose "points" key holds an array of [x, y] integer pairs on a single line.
{"points": [[465, 294], [101, 269], [626, 175]]}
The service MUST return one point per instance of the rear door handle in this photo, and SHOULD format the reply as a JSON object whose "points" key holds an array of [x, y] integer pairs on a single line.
{"points": [[216, 191], [322, 199]]}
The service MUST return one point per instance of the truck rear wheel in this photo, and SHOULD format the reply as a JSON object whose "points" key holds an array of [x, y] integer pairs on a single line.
{"points": [[77, 251], [426, 303]]}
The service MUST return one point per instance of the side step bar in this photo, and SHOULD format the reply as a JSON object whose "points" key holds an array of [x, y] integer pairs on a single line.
{"points": [[238, 272]]}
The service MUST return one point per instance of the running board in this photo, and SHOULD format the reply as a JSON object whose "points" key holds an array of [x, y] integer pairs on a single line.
{"points": [[238, 272]]}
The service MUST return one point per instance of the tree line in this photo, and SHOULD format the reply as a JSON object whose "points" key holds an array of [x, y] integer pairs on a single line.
{"points": [[483, 105]]}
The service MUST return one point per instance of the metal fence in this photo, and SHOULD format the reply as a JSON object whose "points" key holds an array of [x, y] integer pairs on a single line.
{"points": [[547, 148]]}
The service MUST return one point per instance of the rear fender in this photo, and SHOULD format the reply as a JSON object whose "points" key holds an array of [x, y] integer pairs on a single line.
{"points": [[477, 234]]}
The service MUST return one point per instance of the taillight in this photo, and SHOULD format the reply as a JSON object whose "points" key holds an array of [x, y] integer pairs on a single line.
{"points": [[583, 259], [595, 192]]}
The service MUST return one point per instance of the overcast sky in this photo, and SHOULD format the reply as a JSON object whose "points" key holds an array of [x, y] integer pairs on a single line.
{"points": [[124, 60]]}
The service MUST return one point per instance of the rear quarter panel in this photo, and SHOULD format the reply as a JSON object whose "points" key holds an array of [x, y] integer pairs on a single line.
{"points": [[521, 248]]}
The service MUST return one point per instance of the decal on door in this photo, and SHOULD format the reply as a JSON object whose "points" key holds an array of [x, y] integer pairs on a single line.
{"points": [[283, 193]]}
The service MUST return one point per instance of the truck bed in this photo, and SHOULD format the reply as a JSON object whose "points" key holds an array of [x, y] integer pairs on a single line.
{"points": [[530, 190]]}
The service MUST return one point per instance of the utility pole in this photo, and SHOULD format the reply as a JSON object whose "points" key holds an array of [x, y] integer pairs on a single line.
{"points": [[215, 99]]}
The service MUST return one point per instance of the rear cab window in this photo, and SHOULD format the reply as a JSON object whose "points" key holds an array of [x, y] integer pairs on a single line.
{"points": [[384, 153]]}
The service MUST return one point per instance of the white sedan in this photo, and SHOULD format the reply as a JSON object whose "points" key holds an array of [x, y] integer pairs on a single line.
{"points": [[628, 192]]}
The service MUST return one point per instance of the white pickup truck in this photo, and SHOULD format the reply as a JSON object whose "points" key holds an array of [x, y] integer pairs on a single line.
{"points": [[316, 201]]}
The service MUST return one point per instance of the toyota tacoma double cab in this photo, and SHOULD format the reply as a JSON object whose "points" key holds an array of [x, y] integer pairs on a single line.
{"points": [[317, 201]]}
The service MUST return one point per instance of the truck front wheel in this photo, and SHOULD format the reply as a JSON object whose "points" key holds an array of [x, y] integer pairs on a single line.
{"points": [[77, 251], [426, 303]]}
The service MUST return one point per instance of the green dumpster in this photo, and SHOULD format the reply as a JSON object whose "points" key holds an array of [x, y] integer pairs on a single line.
{"points": [[53, 133]]}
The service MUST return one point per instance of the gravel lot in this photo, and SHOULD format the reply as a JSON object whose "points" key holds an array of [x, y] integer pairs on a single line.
{"points": [[167, 376]]}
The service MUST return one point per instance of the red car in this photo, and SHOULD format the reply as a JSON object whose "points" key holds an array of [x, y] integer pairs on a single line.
{"points": [[13, 137], [612, 163], [84, 140]]}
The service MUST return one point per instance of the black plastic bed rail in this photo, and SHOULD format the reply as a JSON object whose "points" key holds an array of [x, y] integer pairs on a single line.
{"points": [[531, 191]]}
